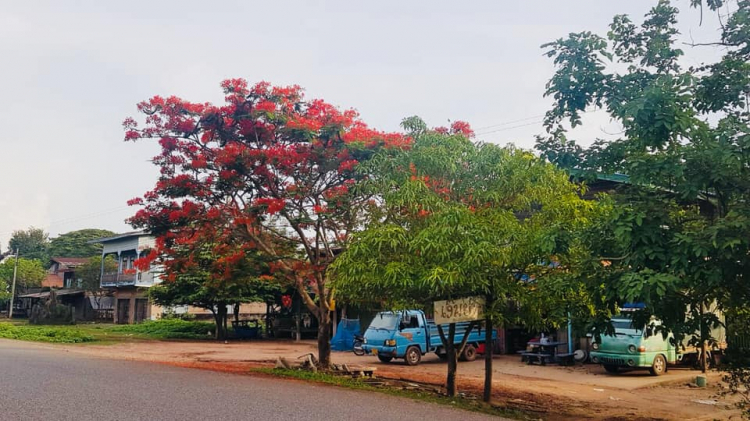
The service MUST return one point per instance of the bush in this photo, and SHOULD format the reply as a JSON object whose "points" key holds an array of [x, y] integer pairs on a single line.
{"points": [[44, 334], [170, 314], [170, 329]]}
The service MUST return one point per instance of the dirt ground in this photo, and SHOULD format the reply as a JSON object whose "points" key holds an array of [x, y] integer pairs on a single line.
{"points": [[551, 392]]}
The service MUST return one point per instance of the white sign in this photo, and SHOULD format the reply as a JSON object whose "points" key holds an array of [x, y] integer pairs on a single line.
{"points": [[462, 310]]}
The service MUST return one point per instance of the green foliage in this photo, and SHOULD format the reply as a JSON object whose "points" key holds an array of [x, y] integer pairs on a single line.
{"points": [[31, 273], [51, 312], [76, 243], [4, 290], [678, 233], [170, 329], [462, 219], [736, 365], [43, 334], [90, 272], [197, 288], [31, 244]]}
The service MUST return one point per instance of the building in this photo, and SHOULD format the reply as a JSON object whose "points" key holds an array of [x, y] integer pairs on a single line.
{"points": [[61, 272], [84, 304], [129, 285]]}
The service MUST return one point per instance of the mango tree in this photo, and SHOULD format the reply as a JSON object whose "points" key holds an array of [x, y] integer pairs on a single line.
{"points": [[460, 219], [678, 237]]}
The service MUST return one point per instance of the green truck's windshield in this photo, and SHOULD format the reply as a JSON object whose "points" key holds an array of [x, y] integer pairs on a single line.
{"points": [[385, 321], [625, 326]]}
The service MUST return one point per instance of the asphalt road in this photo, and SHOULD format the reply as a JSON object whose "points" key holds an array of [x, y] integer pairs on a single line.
{"points": [[48, 384]]}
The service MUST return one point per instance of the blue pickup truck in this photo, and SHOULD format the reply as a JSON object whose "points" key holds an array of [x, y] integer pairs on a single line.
{"points": [[409, 335]]}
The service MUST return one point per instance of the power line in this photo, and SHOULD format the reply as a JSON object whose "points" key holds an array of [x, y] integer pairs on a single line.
{"points": [[509, 122], [87, 216], [78, 218], [510, 128]]}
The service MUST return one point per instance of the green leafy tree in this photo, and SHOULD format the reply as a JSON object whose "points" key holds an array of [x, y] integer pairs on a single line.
{"points": [[90, 272], [4, 291], [677, 238], [32, 243], [76, 243], [462, 219], [30, 274]]}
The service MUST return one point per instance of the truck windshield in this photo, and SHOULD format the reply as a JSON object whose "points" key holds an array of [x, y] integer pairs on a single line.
{"points": [[625, 326], [384, 321]]}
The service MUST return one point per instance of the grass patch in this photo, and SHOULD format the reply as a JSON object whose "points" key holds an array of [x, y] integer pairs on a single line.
{"points": [[56, 334], [169, 329], [476, 405], [96, 333]]}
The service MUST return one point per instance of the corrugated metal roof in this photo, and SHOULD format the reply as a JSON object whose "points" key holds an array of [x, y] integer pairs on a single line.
{"points": [[138, 233], [59, 292], [70, 262]]}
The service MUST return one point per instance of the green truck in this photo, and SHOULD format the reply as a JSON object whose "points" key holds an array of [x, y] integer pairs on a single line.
{"points": [[645, 347]]}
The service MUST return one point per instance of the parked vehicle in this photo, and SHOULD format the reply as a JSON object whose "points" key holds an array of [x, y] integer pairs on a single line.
{"points": [[410, 335], [645, 347]]}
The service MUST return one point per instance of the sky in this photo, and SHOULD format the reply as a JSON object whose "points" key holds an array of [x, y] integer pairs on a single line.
{"points": [[72, 71]]}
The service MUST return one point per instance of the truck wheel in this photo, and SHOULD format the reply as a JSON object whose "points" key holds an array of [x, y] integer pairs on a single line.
{"points": [[385, 358], [413, 355], [612, 369], [469, 354], [659, 366]]}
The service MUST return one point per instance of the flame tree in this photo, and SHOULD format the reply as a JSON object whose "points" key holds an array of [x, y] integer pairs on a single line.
{"points": [[279, 167]]}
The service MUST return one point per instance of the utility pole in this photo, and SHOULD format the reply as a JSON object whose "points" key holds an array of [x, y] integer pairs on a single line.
{"points": [[13, 288], [704, 336]]}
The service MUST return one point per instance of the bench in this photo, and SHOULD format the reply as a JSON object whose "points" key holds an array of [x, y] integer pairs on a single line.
{"points": [[531, 357]]}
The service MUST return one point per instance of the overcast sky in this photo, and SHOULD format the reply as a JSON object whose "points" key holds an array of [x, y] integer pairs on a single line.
{"points": [[71, 71]]}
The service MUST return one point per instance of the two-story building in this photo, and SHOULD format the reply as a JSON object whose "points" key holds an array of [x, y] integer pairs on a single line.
{"points": [[128, 284]]}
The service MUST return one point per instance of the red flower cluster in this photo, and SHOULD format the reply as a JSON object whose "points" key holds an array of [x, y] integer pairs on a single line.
{"points": [[272, 205], [265, 151]]}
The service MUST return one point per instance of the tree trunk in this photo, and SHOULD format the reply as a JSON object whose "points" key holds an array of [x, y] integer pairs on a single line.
{"points": [[217, 323], [237, 312], [324, 339], [298, 321], [225, 330], [450, 350], [220, 316], [488, 348], [268, 320]]}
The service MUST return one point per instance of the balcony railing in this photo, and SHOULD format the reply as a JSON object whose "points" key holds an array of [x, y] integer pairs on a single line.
{"points": [[124, 279], [115, 279]]}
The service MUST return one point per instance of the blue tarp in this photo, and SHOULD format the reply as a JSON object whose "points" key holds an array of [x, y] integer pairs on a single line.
{"points": [[344, 338]]}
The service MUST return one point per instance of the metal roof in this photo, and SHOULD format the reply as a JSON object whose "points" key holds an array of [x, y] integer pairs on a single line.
{"points": [[70, 262], [139, 233], [58, 292]]}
